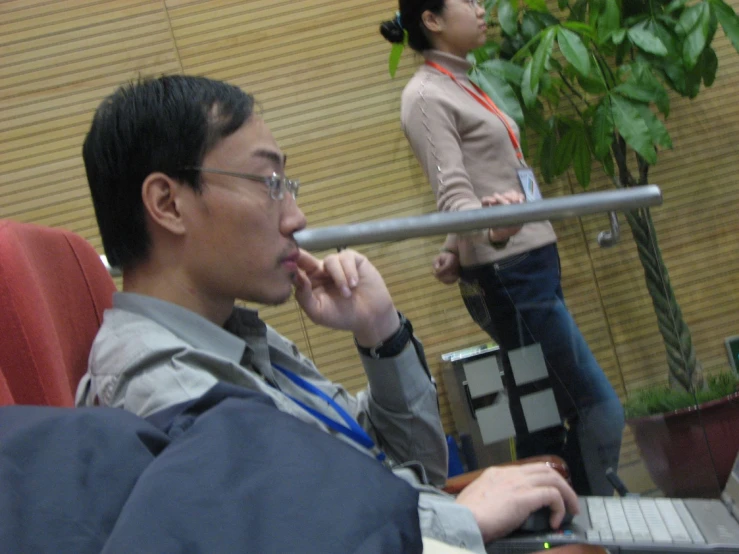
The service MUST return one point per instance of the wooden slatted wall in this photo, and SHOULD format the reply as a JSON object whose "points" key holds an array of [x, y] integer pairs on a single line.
{"points": [[319, 70]]}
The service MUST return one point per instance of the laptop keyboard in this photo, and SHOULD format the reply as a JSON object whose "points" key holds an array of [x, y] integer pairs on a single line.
{"points": [[661, 520]]}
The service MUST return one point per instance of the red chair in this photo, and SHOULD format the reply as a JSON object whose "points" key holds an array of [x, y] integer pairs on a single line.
{"points": [[53, 291], [6, 398]]}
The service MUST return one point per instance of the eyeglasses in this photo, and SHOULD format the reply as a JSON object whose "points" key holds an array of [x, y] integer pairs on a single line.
{"points": [[277, 185], [474, 3]]}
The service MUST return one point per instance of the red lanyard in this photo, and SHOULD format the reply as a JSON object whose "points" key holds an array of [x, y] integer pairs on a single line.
{"points": [[486, 102]]}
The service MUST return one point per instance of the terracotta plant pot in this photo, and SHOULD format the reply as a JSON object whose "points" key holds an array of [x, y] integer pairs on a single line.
{"points": [[675, 447]]}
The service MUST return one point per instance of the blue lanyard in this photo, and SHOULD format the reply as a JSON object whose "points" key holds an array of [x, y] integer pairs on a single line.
{"points": [[352, 429]]}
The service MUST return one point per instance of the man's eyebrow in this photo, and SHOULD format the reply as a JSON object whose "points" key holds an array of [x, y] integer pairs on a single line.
{"points": [[271, 155]]}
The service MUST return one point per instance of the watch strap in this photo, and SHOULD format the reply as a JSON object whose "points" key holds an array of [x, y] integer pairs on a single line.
{"points": [[393, 345]]}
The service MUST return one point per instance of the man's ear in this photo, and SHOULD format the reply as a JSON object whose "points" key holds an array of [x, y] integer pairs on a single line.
{"points": [[433, 22], [162, 201]]}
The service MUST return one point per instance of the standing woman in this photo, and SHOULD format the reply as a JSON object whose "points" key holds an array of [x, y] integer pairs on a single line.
{"points": [[509, 278]]}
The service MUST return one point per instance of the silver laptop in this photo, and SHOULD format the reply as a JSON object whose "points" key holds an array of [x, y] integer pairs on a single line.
{"points": [[649, 525]]}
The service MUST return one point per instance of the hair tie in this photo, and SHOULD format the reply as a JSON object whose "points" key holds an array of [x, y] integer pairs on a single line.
{"points": [[398, 20]]}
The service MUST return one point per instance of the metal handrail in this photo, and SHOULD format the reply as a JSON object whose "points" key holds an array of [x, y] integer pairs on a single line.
{"points": [[401, 228], [606, 239]]}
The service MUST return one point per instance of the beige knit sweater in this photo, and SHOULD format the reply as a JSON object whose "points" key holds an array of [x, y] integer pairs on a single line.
{"points": [[466, 153]]}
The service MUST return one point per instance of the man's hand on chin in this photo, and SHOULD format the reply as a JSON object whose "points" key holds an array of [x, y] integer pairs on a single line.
{"points": [[345, 291]]}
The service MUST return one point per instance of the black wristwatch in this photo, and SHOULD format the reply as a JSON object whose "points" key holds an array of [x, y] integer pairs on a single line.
{"points": [[392, 346]]}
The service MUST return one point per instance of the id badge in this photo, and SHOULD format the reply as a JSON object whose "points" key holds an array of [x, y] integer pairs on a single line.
{"points": [[528, 184]]}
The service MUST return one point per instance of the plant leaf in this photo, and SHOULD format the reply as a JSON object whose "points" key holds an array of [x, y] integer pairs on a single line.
{"points": [[687, 83], [564, 151], [508, 16], [694, 22], [502, 68], [500, 92], [541, 57], [550, 89], [618, 36], [486, 52], [729, 21], [523, 141], [675, 5], [667, 37], [635, 92], [609, 20], [582, 160], [633, 129], [592, 84], [537, 5], [529, 95], [489, 6], [647, 41], [675, 76], [535, 120], [594, 14], [608, 166], [530, 25], [689, 19], [693, 78], [657, 130], [574, 50], [712, 25], [553, 65], [579, 9], [709, 66], [545, 19], [602, 130], [395, 53], [547, 156], [643, 77], [580, 28]]}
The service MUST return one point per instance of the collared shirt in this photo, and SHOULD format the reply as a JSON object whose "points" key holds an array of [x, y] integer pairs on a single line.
{"points": [[150, 355]]}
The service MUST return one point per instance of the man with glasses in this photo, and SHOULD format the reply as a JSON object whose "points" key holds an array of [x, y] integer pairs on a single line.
{"points": [[192, 203]]}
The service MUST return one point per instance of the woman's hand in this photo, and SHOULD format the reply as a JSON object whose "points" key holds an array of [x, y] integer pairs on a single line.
{"points": [[502, 234], [446, 267]]}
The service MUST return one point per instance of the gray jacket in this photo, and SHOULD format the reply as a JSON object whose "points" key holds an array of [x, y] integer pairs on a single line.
{"points": [[150, 355]]}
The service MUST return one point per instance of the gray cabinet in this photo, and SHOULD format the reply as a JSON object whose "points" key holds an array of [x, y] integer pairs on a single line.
{"points": [[494, 397]]}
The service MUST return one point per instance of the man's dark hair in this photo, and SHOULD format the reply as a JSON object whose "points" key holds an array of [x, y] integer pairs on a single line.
{"points": [[409, 19], [151, 125]]}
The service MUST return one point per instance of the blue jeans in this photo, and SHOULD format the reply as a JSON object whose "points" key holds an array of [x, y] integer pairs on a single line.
{"points": [[519, 301]]}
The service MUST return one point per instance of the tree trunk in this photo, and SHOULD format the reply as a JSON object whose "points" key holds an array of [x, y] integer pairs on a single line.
{"points": [[684, 369]]}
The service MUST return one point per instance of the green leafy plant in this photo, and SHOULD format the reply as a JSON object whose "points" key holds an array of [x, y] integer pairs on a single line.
{"points": [[664, 399], [590, 79], [611, 62]]}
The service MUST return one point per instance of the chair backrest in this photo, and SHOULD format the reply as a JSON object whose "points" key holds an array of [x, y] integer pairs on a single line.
{"points": [[53, 292], [6, 397]]}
